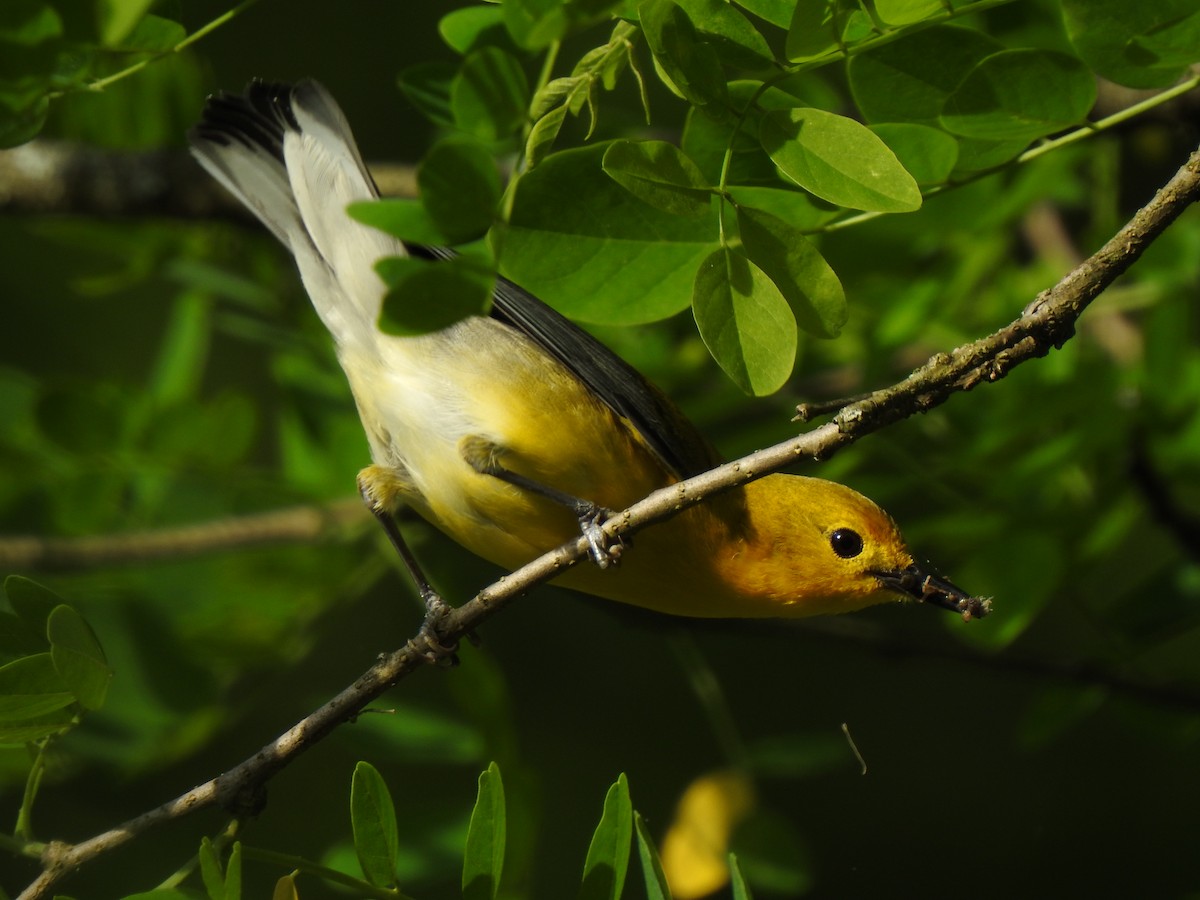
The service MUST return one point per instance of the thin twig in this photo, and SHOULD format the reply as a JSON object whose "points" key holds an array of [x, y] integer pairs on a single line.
{"points": [[1046, 323]]}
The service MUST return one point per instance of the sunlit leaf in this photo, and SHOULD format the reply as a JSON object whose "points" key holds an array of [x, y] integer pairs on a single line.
{"points": [[652, 870], [608, 854], [838, 159], [737, 880], [584, 244]]}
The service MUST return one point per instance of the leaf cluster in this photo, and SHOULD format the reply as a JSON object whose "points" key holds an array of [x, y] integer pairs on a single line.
{"points": [[799, 117]]}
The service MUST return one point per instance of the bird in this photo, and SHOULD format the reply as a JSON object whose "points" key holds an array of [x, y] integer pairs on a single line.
{"points": [[515, 430]]}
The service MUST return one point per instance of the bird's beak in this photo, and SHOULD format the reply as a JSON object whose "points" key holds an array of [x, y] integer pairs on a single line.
{"points": [[912, 582]]}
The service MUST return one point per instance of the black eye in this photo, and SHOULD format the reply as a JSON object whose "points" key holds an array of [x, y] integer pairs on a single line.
{"points": [[846, 543]]}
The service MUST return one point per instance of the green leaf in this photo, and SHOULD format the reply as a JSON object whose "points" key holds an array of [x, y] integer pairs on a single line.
{"points": [[22, 730], [489, 95], [652, 870], [460, 188], [737, 880], [906, 12], [580, 241], [118, 18], [534, 24], [31, 688], [927, 153], [400, 217], [373, 821], [471, 27], [797, 207], [542, 136], [78, 657], [1139, 45], [285, 888], [20, 125], [732, 35], [428, 87], [745, 322], [233, 873], [773, 854], [210, 871], [909, 80], [32, 602], [978, 155], [608, 854], [808, 284], [690, 64], [812, 31], [483, 861], [777, 12], [425, 296], [17, 638], [658, 173], [153, 34], [838, 159], [28, 22], [1020, 95]]}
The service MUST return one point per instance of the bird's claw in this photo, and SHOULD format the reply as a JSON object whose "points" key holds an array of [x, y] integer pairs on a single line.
{"points": [[603, 548], [433, 647]]}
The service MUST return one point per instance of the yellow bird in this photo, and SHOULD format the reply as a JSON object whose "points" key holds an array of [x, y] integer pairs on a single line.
{"points": [[511, 432]]}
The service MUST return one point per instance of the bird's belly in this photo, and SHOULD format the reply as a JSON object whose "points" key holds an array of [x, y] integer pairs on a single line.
{"points": [[420, 397]]}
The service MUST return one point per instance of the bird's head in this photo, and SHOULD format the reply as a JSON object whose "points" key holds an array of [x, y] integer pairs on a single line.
{"points": [[841, 552]]}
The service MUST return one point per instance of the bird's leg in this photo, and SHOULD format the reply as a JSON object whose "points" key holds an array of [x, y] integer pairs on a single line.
{"points": [[483, 456], [375, 483]]}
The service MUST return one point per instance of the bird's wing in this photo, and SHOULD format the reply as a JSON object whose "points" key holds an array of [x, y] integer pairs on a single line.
{"points": [[243, 140], [649, 412]]}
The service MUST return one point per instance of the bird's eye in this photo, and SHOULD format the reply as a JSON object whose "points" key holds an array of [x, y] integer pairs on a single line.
{"points": [[846, 543]]}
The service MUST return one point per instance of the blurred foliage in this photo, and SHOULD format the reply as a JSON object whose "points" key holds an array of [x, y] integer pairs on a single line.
{"points": [[158, 374]]}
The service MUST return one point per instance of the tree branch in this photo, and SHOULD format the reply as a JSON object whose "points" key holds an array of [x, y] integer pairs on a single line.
{"points": [[1047, 322], [47, 177], [297, 524]]}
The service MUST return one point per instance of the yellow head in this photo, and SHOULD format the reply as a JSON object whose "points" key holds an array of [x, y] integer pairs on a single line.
{"points": [[812, 547]]}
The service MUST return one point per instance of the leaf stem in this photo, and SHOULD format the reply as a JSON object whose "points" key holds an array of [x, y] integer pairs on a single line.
{"points": [[203, 31], [300, 864], [24, 828], [1082, 133]]}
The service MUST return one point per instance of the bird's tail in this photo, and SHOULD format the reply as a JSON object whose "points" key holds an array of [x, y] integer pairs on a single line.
{"points": [[286, 152]]}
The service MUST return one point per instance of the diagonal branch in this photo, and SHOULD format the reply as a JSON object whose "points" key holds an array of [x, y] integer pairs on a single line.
{"points": [[1048, 322]]}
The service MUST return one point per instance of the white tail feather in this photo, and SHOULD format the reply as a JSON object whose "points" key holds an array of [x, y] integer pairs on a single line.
{"points": [[289, 156]]}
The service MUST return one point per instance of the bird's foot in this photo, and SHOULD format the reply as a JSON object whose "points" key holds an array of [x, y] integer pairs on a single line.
{"points": [[604, 549], [430, 639]]}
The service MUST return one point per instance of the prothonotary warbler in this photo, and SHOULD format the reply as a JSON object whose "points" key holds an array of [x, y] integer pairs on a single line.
{"points": [[507, 431]]}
